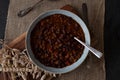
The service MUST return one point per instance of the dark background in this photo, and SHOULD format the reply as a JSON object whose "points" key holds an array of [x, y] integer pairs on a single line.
{"points": [[112, 39], [3, 16], [111, 35]]}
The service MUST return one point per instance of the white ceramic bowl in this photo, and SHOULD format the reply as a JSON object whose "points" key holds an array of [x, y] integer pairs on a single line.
{"points": [[67, 68]]}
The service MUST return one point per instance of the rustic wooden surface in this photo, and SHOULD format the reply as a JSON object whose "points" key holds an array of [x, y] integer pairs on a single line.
{"points": [[92, 68]]}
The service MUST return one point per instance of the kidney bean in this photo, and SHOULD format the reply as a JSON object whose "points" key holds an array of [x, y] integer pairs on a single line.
{"points": [[52, 41]]}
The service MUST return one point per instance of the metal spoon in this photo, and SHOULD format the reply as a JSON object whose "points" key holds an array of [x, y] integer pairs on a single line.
{"points": [[23, 12], [94, 51]]}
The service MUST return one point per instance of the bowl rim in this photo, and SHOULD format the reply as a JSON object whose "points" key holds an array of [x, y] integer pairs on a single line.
{"points": [[67, 68]]}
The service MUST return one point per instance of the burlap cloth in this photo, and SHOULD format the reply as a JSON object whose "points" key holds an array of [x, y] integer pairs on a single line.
{"points": [[92, 68]]}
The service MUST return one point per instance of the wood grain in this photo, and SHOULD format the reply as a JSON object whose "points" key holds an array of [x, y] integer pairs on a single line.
{"points": [[92, 68], [19, 42]]}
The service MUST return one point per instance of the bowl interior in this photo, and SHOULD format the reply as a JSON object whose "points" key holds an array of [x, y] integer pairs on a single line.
{"points": [[67, 68]]}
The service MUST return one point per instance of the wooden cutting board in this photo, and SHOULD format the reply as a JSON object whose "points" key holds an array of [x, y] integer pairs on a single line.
{"points": [[92, 68]]}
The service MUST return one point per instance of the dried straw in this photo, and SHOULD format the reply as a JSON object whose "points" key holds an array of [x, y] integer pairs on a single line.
{"points": [[19, 64]]}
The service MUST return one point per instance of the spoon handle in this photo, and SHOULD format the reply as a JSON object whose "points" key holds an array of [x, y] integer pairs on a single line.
{"points": [[23, 12], [94, 51]]}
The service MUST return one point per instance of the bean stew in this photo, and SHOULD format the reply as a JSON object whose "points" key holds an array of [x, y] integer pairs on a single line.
{"points": [[52, 41]]}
